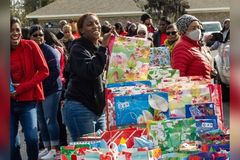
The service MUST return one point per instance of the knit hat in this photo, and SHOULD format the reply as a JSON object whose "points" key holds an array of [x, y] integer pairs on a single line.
{"points": [[62, 23], [35, 28], [145, 16], [184, 21]]}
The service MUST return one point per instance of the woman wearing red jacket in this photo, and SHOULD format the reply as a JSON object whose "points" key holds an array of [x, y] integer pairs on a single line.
{"points": [[28, 69], [189, 56]]}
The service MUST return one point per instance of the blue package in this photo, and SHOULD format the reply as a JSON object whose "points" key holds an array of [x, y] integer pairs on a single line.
{"points": [[207, 124], [137, 109], [199, 110], [12, 89], [134, 83]]}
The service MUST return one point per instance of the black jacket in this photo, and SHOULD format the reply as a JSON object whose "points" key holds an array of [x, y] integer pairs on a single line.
{"points": [[87, 64], [156, 38]]}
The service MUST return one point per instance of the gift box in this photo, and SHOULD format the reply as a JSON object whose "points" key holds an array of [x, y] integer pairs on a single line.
{"points": [[129, 60], [174, 156], [215, 137], [216, 98], [66, 152], [199, 110], [207, 124], [113, 92], [126, 134], [181, 94], [142, 153], [137, 109], [170, 134], [160, 56], [156, 74], [127, 84]]}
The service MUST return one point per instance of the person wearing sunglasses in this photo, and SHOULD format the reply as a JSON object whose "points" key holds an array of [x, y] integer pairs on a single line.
{"points": [[52, 86], [172, 36], [189, 55], [28, 69]]}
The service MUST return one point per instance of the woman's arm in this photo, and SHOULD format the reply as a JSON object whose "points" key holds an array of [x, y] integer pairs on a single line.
{"points": [[42, 70], [84, 65]]}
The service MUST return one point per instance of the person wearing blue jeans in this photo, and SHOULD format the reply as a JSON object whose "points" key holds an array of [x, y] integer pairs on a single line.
{"points": [[85, 94], [26, 114], [52, 87], [28, 69], [78, 125], [47, 117]]}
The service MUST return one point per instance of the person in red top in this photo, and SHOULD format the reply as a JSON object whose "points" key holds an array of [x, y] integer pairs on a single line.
{"points": [[120, 29], [147, 20], [189, 56], [28, 69], [160, 36], [73, 24]]}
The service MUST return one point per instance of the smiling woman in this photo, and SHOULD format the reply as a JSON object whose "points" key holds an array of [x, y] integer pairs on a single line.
{"points": [[85, 100], [28, 69]]}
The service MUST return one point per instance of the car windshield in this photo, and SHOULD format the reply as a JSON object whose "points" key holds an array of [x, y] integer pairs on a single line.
{"points": [[211, 27]]}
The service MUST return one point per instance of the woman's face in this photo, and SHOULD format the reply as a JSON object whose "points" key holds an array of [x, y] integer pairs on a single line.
{"points": [[67, 33], [193, 26], [38, 37], [162, 25], [227, 24], [91, 28], [172, 34], [15, 35], [142, 34]]}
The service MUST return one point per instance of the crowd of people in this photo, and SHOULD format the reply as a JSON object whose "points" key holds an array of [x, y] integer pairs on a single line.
{"points": [[58, 78]]}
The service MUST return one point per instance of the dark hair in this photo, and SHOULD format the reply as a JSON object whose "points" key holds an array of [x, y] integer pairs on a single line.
{"points": [[127, 25], [35, 28], [15, 20], [224, 28], [145, 16], [105, 28], [72, 20], [119, 26], [81, 21], [165, 19], [132, 32], [170, 26], [51, 38], [25, 33]]}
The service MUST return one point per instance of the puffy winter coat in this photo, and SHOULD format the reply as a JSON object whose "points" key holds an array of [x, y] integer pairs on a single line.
{"points": [[191, 58]]}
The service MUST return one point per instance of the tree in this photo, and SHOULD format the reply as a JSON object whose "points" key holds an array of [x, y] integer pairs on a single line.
{"points": [[20, 8], [158, 8]]}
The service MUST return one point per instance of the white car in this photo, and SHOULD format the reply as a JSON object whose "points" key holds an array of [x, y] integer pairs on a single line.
{"points": [[210, 27]]}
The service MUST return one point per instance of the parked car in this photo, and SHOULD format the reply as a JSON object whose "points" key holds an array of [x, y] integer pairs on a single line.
{"points": [[210, 27]]}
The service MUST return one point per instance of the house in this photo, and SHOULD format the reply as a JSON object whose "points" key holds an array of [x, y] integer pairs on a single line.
{"points": [[123, 10], [111, 10]]}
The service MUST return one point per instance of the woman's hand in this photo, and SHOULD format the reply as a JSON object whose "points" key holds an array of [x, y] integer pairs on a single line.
{"points": [[107, 36], [14, 94]]}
